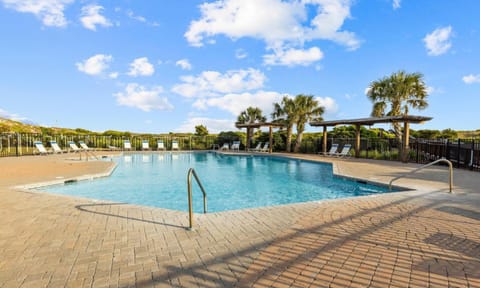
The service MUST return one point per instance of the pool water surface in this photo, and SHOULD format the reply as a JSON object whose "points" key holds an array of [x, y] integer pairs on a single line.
{"points": [[231, 181]]}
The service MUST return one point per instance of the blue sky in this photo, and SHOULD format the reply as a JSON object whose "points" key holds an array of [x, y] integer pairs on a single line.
{"points": [[167, 66]]}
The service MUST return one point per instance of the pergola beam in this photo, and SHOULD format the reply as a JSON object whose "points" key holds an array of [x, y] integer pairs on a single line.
{"points": [[373, 120]]}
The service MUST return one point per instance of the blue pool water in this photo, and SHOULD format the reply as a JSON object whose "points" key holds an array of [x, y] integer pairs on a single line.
{"points": [[231, 182]]}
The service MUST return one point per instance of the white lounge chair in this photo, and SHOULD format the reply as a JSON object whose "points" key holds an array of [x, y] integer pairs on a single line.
{"points": [[145, 145], [257, 148], [113, 148], [84, 146], [55, 147], [160, 145], [73, 146], [175, 145], [332, 151], [225, 147], [236, 146], [40, 148], [345, 152], [265, 147], [127, 145]]}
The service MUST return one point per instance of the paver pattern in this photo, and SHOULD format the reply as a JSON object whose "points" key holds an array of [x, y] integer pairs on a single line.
{"points": [[422, 238]]}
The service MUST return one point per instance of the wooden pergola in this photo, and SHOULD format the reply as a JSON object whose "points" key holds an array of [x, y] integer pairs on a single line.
{"points": [[405, 119], [270, 126]]}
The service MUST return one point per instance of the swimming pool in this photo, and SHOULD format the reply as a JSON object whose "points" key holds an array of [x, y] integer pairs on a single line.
{"points": [[231, 181]]}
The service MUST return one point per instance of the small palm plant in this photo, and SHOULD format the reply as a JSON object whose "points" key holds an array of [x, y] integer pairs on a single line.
{"points": [[249, 116]]}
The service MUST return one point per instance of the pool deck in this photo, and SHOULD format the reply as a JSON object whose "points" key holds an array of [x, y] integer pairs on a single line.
{"points": [[422, 238]]}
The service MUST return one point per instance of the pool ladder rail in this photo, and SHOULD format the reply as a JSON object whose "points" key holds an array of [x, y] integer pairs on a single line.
{"points": [[191, 172], [88, 154], [450, 169]]}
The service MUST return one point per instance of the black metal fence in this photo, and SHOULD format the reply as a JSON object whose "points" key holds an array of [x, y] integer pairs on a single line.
{"points": [[464, 153], [18, 144]]}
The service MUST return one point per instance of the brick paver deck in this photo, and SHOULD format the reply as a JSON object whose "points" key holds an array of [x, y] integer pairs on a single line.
{"points": [[422, 238]]}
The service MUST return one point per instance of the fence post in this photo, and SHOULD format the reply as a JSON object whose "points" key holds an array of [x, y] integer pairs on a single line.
{"points": [[472, 155], [416, 143], [16, 144], [447, 150], [366, 148], [458, 153]]}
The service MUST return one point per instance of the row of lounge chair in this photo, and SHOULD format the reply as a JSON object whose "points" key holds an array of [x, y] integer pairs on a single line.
{"points": [[56, 148], [236, 147], [259, 147], [84, 147], [146, 145], [334, 152]]}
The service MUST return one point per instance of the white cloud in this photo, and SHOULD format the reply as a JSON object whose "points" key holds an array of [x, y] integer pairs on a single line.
{"points": [[95, 65], [136, 17], [430, 90], [184, 64], [396, 4], [141, 67], [438, 42], [12, 116], [49, 11], [328, 103], [213, 83], [113, 75], [293, 57], [236, 103], [367, 90], [138, 96], [470, 79], [287, 26], [91, 17], [213, 125]]}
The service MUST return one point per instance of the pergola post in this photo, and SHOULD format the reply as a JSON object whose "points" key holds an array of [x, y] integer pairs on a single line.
{"points": [[324, 144], [405, 141], [271, 139], [357, 141]]}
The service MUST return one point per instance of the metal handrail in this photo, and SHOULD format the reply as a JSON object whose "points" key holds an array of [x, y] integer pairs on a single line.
{"points": [[86, 154], [450, 167], [191, 172]]}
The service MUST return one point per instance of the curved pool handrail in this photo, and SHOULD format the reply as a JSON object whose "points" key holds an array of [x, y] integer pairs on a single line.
{"points": [[450, 168], [191, 172]]}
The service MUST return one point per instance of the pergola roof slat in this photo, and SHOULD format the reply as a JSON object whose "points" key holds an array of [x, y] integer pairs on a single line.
{"points": [[373, 120], [258, 125]]}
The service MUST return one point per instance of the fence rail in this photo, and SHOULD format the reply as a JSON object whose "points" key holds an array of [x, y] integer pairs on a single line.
{"points": [[18, 144], [463, 153]]}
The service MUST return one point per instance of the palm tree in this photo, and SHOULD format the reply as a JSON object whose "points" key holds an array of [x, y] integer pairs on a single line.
{"points": [[397, 92], [250, 116], [306, 110], [285, 113]]}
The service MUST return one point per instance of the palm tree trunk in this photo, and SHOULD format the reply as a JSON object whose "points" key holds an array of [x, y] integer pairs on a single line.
{"points": [[298, 144], [248, 138], [397, 128], [289, 138]]}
